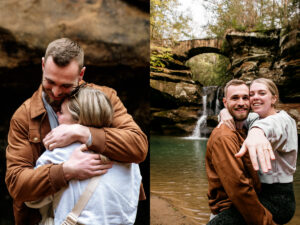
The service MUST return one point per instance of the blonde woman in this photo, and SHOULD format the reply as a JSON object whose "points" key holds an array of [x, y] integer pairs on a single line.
{"points": [[277, 193], [116, 197]]}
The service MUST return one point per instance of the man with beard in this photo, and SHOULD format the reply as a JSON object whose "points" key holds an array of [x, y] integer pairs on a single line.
{"points": [[233, 183], [29, 134]]}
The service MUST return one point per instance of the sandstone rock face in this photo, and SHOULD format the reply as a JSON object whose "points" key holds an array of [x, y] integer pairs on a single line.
{"points": [[111, 32], [174, 97], [169, 96], [177, 103], [274, 55], [184, 92], [176, 121], [271, 55]]}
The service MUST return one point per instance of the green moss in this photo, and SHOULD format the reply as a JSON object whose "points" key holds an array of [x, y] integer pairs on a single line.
{"points": [[159, 55]]}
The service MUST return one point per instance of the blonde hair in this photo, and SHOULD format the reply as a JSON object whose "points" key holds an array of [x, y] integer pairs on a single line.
{"points": [[63, 51], [234, 82], [90, 107], [270, 85]]}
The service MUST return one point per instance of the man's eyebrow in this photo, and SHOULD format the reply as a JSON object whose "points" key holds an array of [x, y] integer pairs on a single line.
{"points": [[48, 79]]}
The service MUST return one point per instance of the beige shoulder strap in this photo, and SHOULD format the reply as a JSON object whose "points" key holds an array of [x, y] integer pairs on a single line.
{"points": [[82, 201]]}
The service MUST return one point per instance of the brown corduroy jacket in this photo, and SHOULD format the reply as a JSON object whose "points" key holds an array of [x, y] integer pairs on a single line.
{"points": [[123, 141], [233, 181]]}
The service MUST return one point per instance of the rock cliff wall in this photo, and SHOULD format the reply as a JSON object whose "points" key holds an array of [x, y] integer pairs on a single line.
{"points": [[275, 55], [272, 54], [114, 35]]}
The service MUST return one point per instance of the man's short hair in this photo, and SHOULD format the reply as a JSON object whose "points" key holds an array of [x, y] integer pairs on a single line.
{"points": [[234, 82], [63, 51]]}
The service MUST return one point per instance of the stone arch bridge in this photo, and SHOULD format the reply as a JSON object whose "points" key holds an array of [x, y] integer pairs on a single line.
{"points": [[185, 50]]}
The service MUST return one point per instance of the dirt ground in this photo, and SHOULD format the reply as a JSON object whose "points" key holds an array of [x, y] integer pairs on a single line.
{"points": [[163, 213]]}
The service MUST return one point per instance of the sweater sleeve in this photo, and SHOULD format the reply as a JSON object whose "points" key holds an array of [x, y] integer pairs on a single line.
{"points": [[237, 185], [252, 117], [278, 128]]}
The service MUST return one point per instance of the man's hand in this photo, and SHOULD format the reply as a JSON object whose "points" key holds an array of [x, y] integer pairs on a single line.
{"points": [[258, 145], [66, 134], [83, 165], [226, 119]]}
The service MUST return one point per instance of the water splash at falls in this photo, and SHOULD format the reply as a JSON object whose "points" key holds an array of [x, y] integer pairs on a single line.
{"points": [[217, 109], [201, 123], [211, 95]]}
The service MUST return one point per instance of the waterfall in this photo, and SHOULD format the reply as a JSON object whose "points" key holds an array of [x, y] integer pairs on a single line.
{"points": [[217, 109], [210, 94], [201, 123]]}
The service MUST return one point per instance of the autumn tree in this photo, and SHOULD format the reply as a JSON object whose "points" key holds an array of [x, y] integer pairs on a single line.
{"points": [[209, 69], [166, 22], [248, 15]]}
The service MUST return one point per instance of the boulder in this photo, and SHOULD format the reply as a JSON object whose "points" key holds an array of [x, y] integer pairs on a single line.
{"points": [[182, 93], [180, 121]]}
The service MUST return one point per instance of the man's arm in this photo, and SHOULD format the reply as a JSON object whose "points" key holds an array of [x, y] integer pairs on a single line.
{"points": [[237, 185], [25, 183], [124, 141]]}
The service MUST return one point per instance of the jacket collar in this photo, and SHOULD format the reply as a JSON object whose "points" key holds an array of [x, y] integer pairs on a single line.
{"points": [[37, 106]]}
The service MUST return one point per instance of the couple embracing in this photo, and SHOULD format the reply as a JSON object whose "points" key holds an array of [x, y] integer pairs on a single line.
{"points": [[238, 194], [49, 166]]}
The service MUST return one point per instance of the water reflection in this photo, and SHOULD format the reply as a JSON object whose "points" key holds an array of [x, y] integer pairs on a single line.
{"points": [[178, 174]]}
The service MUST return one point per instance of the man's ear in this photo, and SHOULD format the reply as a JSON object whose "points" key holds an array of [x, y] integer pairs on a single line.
{"points": [[82, 73], [224, 102], [43, 63]]}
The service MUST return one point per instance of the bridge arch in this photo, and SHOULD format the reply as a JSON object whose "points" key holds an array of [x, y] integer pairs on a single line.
{"points": [[184, 50]]}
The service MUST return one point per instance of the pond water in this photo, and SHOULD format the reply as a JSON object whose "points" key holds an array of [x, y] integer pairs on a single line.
{"points": [[177, 173]]}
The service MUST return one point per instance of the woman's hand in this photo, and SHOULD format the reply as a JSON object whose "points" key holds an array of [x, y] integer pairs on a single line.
{"points": [[66, 134], [259, 147], [227, 119]]}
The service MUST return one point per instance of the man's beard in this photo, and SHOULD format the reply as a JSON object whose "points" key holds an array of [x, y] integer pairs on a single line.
{"points": [[238, 117], [55, 104]]}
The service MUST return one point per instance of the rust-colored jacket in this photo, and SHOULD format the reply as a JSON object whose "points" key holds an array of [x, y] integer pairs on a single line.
{"points": [[123, 141], [233, 181]]}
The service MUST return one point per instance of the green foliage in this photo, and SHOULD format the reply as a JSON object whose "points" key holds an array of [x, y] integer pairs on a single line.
{"points": [[209, 69], [225, 46], [168, 23], [159, 56], [251, 15]]}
